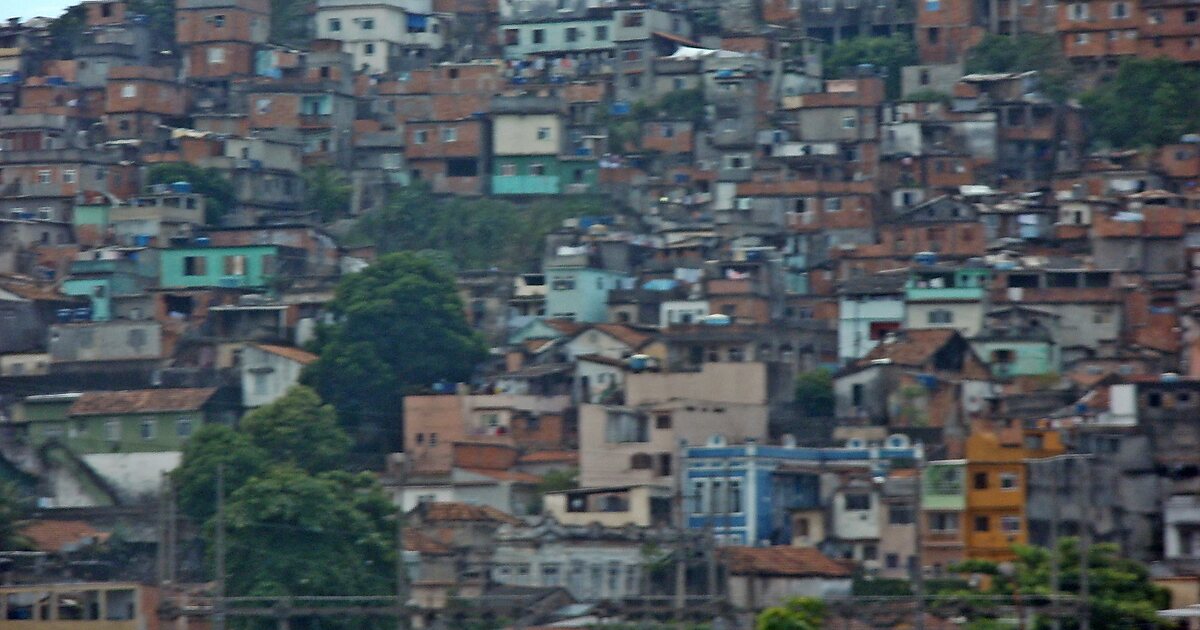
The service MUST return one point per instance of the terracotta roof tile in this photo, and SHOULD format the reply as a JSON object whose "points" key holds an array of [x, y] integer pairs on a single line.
{"points": [[58, 536], [564, 326], [911, 347], [782, 561], [288, 352], [626, 335], [421, 543], [454, 511], [550, 457], [141, 401]]}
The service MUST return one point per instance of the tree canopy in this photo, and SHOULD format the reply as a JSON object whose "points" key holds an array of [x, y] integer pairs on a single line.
{"points": [[12, 518], [1149, 102], [798, 613], [327, 191], [888, 54], [1023, 53], [295, 524], [219, 194], [814, 393], [399, 328], [475, 233], [1121, 594]]}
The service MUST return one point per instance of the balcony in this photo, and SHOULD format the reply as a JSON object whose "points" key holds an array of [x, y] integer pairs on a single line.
{"points": [[525, 185], [951, 294]]}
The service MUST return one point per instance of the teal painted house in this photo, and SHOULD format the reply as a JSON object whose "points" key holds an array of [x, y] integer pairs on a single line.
{"points": [[233, 267], [106, 282], [543, 175], [580, 293]]}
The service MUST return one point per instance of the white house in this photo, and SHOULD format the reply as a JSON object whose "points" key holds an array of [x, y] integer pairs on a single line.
{"points": [[268, 371], [377, 33]]}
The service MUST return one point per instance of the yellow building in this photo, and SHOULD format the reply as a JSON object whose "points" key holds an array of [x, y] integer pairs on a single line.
{"points": [[84, 606], [996, 487]]}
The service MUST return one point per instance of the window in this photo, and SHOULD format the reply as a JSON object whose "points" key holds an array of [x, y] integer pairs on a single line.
{"points": [[632, 55], [1008, 481], [1119, 10], [129, 90], [537, 169], [450, 134], [69, 176], [195, 266], [1077, 11], [432, 439], [940, 316], [368, 24], [550, 573], [623, 428], [508, 169], [218, 21], [1191, 16], [235, 265], [943, 522], [857, 394], [112, 430], [539, 36], [543, 133], [1081, 38], [900, 515], [833, 204], [183, 427], [216, 55], [601, 33], [46, 213], [260, 383], [640, 461], [932, 6], [982, 524], [934, 34], [981, 481], [849, 122], [420, 136], [335, 25], [892, 560], [633, 20], [368, 49], [857, 502], [571, 34], [1010, 524], [662, 421], [512, 37], [43, 177], [148, 429], [563, 283]]}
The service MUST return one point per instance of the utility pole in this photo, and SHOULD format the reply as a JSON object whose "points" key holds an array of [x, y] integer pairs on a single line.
{"points": [[680, 541], [1085, 543], [218, 621], [918, 576], [401, 569], [1055, 571]]}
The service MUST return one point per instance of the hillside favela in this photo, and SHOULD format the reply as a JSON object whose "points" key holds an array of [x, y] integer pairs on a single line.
{"points": [[600, 314]]}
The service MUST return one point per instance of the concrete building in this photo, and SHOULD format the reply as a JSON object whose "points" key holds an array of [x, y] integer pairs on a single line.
{"points": [[269, 371], [382, 35]]}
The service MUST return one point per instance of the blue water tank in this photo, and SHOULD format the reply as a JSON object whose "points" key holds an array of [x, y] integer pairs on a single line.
{"points": [[202, 241], [925, 258], [181, 187], [82, 315], [55, 81], [63, 314], [141, 240], [716, 319]]}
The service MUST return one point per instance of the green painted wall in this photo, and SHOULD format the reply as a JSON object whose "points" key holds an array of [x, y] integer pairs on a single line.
{"points": [[259, 265], [944, 486], [90, 434], [1030, 358], [558, 176]]}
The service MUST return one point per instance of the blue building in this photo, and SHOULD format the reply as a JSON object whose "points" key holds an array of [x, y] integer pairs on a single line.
{"points": [[746, 492], [577, 288]]}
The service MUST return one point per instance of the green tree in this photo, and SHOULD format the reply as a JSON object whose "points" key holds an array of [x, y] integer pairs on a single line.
{"points": [[888, 54], [299, 430], [1149, 102], [291, 533], [327, 191], [1121, 594], [65, 32], [160, 15], [476, 233], [289, 22], [12, 518], [814, 393], [218, 192], [797, 613], [400, 327], [1023, 53], [213, 446]]}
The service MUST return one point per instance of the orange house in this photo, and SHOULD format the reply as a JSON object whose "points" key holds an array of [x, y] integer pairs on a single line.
{"points": [[996, 487]]}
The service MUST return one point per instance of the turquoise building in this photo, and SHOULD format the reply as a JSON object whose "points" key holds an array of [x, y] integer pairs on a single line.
{"points": [[543, 175], [249, 266], [1017, 352], [578, 292], [106, 282]]}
